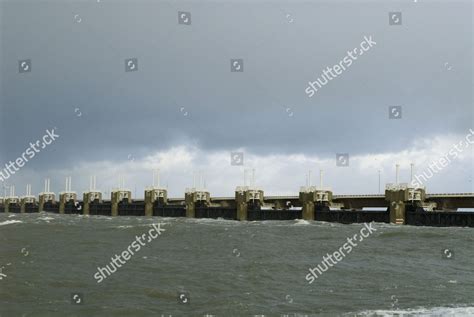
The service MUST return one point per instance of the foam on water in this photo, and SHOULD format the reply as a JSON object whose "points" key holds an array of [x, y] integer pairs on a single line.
{"points": [[9, 222], [45, 218], [205, 254], [301, 222], [123, 227], [218, 221], [421, 312]]}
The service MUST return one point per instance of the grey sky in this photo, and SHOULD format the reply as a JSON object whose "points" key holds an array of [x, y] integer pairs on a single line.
{"points": [[425, 65]]}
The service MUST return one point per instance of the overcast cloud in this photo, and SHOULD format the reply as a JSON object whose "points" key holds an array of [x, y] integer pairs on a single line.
{"points": [[184, 110]]}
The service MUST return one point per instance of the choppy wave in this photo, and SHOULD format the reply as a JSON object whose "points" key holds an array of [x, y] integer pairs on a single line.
{"points": [[420, 312], [213, 221], [45, 218], [9, 222], [301, 222], [124, 227]]}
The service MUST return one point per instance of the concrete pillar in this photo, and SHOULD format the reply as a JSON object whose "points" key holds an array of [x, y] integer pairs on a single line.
{"points": [[45, 198], [194, 198], [399, 197], [245, 196], [152, 195], [395, 195], [11, 201], [189, 199], [242, 206], [25, 201], [89, 197], [118, 196], [64, 198], [307, 202], [312, 200]]}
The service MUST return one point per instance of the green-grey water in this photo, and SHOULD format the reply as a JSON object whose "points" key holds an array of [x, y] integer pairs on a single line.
{"points": [[230, 268]]}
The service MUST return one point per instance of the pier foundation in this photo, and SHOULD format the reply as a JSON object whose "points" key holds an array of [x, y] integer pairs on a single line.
{"points": [[88, 198], [152, 196], [307, 202], [45, 198], [402, 197], [118, 196], [245, 198], [10, 202], [312, 200], [26, 200], [195, 198], [66, 198]]}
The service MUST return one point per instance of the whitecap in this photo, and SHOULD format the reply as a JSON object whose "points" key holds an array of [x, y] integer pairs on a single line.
{"points": [[46, 218], [419, 312], [9, 222], [213, 221], [299, 222]]}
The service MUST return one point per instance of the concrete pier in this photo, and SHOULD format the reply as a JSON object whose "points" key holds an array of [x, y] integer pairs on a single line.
{"points": [[66, 198], [10, 203], [118, 196], [401, 198], [307, 199], [90, 197], [25, 201], [45, 198], [196, 198], [154, 195], [246, 197], [313, 200]]}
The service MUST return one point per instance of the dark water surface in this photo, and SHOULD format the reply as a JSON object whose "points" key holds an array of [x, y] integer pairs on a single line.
{"points": [[230, 268]]}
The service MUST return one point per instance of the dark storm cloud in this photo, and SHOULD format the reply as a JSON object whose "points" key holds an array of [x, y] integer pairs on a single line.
{"points": [[184, 92]]}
